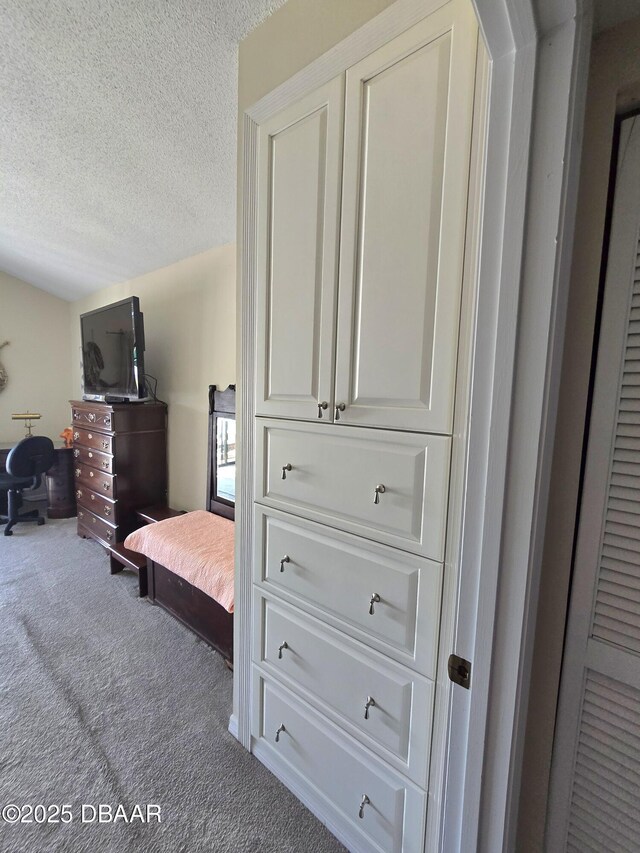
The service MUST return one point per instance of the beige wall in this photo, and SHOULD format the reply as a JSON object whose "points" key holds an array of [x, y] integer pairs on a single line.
{"points": [[37, 358], [614, 82], [299, 32], [189, 317]]}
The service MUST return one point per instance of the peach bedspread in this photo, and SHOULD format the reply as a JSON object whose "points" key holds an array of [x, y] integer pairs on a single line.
{"points": [[198, 546]]}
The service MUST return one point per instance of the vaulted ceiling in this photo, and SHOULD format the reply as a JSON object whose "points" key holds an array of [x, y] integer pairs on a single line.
{"points": [[117, 135]]}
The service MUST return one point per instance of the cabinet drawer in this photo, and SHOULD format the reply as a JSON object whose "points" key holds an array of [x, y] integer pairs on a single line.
{"points": [[336, 575], [92, 415], [335, 472], [94, 458], [328, 764], [97, 527], [374, 699], [97, 440], [97, 504], [96, 480]]}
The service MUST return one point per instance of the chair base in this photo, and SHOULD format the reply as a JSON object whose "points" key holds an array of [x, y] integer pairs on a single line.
{"points": [[33, 515]]}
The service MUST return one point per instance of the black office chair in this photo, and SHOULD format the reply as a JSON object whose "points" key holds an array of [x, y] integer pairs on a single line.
{"points": [[26, 463]]}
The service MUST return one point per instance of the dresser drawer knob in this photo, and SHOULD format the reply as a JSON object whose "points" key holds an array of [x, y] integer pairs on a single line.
{"points": [[93, 497], [76, 453], [279, 731], [379, 490], [90, 455], [105, 486], [105, 445], [105, 464], [363, 802], [89, 435], [91, 417], [91, 474], [371, 703], [281, 648], [78, 493], [78, 472], [109, 534], [76, 436], [339, 408], [285, 559], [375, 598], [285, 468], [107, 511], [323, 406]]}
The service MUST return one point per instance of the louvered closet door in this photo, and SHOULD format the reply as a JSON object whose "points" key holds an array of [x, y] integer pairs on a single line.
{"points": [[596, 791]]}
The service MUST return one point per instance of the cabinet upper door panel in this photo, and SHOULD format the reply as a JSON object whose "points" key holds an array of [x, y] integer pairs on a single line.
{"points": [[300, 153], [406, 169]]}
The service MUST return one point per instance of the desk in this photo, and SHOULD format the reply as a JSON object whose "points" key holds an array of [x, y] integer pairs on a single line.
{"points": [[61, 499]]}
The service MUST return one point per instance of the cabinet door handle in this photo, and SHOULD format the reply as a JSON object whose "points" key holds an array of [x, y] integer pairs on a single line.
{"points": [[322, 407], [285, 559], [363, 802], [371, 703], [379, 490], [279, 730], [285, 468], [340, 408], [281, 648], [372, 601]]}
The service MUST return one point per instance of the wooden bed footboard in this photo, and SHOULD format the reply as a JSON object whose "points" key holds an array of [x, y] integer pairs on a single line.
{"points": [[198, 611]]}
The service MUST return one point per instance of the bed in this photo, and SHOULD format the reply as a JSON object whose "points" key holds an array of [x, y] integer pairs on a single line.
{"points": [[190, 556]]}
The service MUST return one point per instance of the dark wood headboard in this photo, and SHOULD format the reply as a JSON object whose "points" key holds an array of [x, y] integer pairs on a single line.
{"points": [[222, 404]]}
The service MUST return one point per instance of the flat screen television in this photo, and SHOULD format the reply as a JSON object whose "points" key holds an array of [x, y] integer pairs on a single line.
{"points": [[113, 352]]}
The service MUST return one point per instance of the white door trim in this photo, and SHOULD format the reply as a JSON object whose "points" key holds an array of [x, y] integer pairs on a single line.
{"points": [[531, 170]]}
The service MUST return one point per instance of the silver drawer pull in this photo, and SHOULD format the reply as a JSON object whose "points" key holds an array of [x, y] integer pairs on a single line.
{"points": [[90, 455], [363, 802], [281, 648], [109, 534], [285, 559], [105, 464], [379, 490], [339, 408], [78, 472], [279, 730], [91, 417], [78, 494], [91, 474], [105, 445], [105, 486], [371, 703], [93, 497], [89, 435], [322, 407], [76, 453], [76, 436], [285, 468], [107, 510], [375, 598]]}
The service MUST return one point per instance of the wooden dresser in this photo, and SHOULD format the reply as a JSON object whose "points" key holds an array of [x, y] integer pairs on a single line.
{"points": [[120, 465]]}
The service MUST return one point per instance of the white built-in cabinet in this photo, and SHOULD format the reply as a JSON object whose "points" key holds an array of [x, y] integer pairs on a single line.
{"points": [[362, 215]]}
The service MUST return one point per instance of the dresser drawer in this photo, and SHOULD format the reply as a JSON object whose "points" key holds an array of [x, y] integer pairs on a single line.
{"points": [[387, 598], [96, 440], [97, 526], [323, 760], [334, 474], [93, 458], [93, 416], [97, 504], [373, 698], [95, 480]]}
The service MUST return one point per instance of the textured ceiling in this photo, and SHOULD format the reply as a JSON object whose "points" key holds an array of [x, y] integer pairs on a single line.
{"points": [[117, 135]]}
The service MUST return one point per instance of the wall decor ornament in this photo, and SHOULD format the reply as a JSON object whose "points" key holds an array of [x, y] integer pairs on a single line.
{"points": [[4, 376]]}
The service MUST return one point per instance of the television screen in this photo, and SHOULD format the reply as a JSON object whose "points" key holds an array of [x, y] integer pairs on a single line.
{"points": [[112, 351]]}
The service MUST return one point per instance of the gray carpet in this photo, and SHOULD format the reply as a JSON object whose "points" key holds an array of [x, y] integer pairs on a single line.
{"points": [[105, 698]]}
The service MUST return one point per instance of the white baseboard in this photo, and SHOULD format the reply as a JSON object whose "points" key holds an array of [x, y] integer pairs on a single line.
{"points": [[233, 726]]}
